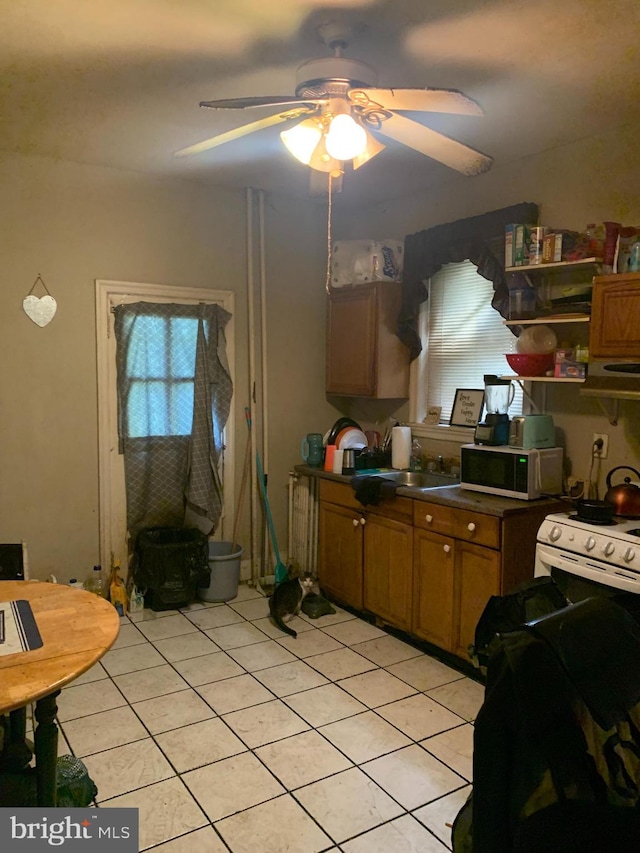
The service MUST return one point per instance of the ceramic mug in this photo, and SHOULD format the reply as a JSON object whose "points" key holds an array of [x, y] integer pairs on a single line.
{"points": [[312, 449]]}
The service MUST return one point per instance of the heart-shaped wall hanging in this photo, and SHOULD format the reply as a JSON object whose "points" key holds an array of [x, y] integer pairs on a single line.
{"points": [[40, 310]]}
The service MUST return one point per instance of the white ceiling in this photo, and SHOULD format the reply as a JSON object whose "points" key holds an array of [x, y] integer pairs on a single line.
{"points": [[118, 82]]}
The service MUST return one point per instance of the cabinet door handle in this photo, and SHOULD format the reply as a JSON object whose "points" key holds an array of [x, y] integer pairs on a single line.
{"points": [[471, 527], [428, 519], [355, 522], [446, 548], [363, 521]]}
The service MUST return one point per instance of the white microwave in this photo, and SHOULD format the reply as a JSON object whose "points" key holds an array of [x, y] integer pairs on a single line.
{"points": [[511, 471]]}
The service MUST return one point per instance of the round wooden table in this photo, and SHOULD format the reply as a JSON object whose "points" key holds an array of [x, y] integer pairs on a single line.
{"points": [[76, 628]]}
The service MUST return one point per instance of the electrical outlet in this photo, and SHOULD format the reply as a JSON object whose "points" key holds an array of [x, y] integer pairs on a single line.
{"points": [[603, 452]]}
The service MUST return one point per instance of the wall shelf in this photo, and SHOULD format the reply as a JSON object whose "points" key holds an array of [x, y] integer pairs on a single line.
{"points": [[563, 379], [549, 320], [559, 265]]}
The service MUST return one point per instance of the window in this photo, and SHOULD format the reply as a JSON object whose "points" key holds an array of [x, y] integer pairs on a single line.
{"points": [[463, 337], [161, 374]]}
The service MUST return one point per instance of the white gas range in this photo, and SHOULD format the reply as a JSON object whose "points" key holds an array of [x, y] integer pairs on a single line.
{"points": [[588, 559]]}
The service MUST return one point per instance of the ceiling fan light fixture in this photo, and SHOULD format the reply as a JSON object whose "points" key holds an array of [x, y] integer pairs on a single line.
{"points": [[322, 161], [345, 138], [373, 147], [302, 140]]}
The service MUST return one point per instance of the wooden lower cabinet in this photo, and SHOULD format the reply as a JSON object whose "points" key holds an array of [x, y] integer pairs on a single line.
{"points": [[388, 568], [428, 569], [452, 582], [477, 578], [433, 570], [340, 557], [462, 558], [365, 555]]}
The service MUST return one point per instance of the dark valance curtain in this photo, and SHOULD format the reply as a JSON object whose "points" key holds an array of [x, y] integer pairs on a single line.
{"points": [[479, 239]]}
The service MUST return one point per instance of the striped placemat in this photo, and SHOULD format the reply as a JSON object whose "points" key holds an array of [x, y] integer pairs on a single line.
{"points": [[18, 629]]}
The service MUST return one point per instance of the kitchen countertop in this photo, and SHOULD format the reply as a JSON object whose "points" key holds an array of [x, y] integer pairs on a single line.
{"points": [[448, 495]]}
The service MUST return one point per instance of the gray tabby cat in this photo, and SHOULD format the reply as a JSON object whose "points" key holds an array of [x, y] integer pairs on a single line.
{"points": [[286, 600]]}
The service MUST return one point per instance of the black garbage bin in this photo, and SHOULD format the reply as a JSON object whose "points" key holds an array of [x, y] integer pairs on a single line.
{"points": [[170, 563]]}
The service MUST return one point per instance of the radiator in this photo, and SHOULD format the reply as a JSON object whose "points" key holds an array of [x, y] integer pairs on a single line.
{"points": [[303, 522]]}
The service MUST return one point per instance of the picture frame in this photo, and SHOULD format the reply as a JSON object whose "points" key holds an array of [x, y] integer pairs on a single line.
{"points": [[433, 415], [467, 407]]}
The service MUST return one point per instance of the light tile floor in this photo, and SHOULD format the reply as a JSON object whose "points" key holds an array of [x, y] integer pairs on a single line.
{"points": [[227, 734]]}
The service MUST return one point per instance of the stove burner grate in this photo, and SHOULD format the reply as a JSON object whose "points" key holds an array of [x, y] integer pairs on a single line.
{"points": [[609, 523]]}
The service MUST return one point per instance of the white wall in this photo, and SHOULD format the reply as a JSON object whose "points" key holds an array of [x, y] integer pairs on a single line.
{"points": [[73, 224], [592, 180]]}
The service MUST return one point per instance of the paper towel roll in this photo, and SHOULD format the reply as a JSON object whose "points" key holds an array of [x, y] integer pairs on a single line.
{"points": [[400, 447]]}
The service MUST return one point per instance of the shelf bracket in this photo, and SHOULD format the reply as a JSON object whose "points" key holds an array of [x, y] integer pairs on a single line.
{"points": [[528, 397], [612, 418]]}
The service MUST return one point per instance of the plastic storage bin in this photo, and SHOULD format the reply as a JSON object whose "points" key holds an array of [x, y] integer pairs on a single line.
{"points": [[224, 562]]}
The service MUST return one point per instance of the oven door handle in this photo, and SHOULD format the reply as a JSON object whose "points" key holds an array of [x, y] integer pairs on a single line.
{"points": [[619, 578]]}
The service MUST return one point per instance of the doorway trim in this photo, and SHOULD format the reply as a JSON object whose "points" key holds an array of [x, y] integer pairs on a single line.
{"points": [[112, 499]]}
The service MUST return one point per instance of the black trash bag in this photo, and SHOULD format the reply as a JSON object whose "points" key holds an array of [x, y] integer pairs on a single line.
{"points": [[170, 563], [504, 613], [462, 829]]}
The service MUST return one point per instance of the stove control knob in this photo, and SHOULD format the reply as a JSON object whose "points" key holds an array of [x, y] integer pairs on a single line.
{"points": [[555, 533], [608, 549], [628, 555], [590, 544]]}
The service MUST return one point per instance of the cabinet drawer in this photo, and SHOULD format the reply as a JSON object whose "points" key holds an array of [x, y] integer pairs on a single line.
{"points": [[400, 509], [339, 493], [459, 523]]}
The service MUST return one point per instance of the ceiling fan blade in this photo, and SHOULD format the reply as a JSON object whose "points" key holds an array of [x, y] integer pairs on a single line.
{"points": [[264, 101], [243, 130], [421, 100], [435, 145]]}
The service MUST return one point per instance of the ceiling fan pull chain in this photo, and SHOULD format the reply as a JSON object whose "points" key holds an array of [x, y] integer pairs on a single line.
{"points": [[327, 285]]}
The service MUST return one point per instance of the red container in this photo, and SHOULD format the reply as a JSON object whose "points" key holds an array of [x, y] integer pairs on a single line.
{"points": [[530, 363]]}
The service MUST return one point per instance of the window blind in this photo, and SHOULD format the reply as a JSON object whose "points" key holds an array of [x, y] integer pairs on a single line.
{"points": [[465, 337]]}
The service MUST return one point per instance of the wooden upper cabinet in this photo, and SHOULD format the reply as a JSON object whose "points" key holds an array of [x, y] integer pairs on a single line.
{"points": [[615, 316], [365, 358]]}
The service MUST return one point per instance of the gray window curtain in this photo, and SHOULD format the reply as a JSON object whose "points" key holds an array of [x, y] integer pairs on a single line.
{"points": [[174, 396]]}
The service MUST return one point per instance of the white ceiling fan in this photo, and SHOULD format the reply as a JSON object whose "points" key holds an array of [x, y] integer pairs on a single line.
{"points": [[344, 112]]}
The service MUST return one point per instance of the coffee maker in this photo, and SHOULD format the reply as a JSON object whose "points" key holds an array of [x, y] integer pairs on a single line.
{"points": [[498, 396]]}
